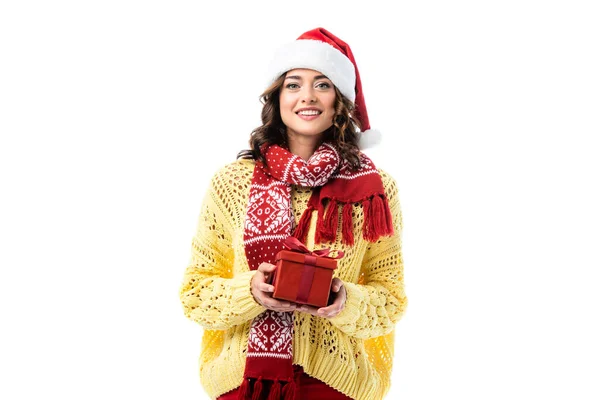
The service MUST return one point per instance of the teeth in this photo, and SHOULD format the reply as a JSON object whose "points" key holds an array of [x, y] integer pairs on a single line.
{"points": [[309, 112]]}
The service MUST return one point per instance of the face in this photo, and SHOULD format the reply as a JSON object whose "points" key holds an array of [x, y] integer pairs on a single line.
{"points": [[306, 102]]}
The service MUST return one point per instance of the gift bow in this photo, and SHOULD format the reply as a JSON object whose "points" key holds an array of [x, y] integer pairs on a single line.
{"points": [[293, 244]]}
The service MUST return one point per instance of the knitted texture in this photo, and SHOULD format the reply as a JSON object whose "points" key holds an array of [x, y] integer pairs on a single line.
{"points": [[352, 352]]}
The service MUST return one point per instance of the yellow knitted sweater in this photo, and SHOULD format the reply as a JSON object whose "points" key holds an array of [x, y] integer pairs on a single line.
{"points": [[352, 352]]}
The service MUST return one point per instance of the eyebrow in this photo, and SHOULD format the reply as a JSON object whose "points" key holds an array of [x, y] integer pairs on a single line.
{"points": [[299, 78]]}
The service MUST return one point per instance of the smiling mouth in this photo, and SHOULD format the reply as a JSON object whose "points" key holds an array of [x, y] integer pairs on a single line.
{"points": [[309, 113]]}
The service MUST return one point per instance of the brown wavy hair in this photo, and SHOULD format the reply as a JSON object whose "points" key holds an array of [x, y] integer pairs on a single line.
{"points": [[343, 134]]}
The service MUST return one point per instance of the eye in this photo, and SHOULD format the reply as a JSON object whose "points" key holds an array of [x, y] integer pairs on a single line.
{"points": [[292, 86], [323, 85]]}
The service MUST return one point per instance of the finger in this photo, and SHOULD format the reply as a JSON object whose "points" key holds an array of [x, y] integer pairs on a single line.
{"points": [[331, 315], [308, 309], [337, 306], [276, 304], [266, 267], [328, 312], [337, 285], [267, 300], [283, 309], [265, 287]]}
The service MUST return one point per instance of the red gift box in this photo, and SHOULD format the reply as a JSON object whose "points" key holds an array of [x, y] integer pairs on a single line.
{"points": [[303, 276]]}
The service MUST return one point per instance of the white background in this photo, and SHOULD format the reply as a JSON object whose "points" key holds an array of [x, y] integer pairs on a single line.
{"points": [[114, 115]]}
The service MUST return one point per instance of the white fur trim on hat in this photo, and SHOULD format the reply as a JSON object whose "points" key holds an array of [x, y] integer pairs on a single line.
{"points": [[369, 139], [317, 55]]}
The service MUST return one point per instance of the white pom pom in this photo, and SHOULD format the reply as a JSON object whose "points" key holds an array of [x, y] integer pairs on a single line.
{"points": [[369, 139]]}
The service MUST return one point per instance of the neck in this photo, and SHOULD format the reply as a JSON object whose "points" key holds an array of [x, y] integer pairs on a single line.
{"points": [[303, 146]]}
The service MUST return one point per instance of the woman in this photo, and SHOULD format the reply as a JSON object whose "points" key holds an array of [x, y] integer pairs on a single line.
{"points": [[304, 176]]}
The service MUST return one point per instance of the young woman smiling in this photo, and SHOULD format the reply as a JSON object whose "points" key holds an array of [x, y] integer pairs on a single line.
{"points": [[303, 176]]}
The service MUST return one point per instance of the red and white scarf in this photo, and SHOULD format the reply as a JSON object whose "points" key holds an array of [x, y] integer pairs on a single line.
{"points": [[269, 221]]}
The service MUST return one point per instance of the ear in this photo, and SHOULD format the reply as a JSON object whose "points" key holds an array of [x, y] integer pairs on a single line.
{"points": [[369, 139]]}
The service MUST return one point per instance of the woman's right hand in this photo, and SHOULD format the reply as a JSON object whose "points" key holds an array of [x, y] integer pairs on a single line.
{"points": [[262, 291]]}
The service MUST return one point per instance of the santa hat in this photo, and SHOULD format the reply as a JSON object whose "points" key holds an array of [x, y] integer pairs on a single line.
{"points": [[322, 51]]}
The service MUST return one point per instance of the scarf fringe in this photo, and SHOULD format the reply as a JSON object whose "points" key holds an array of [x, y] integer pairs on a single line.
{"points": [[331, 222], [289, 391], [367, 225], [389, 220], [378, 218], [258, 385], [347, 226], [320, 224], [377, 221], [275, 393], [248, 391], [301, 231], [244, 392]]}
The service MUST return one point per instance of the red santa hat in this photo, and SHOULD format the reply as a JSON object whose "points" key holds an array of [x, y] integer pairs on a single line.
{"points": [[322, 51]]}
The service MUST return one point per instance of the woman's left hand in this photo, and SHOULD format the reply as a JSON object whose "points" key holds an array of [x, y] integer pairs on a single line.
{"points": [[339, 300]]}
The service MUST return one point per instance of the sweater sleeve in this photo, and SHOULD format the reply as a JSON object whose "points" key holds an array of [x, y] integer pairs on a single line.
{"points": [[377, 303], [210, 293]]}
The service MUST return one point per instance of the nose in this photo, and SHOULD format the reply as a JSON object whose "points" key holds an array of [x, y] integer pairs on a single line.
{"points": [[308, 95]]}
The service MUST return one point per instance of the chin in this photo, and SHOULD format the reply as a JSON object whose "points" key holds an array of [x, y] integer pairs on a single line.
{"points": [[305, 132], [312, 131]]}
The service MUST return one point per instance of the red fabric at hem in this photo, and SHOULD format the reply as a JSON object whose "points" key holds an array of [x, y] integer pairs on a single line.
{"points": [[307, 388]]}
